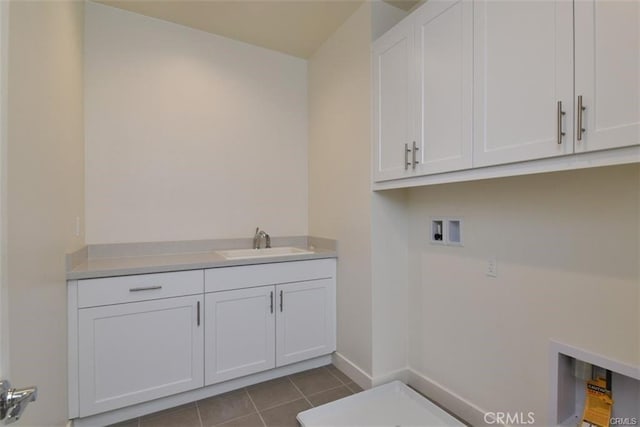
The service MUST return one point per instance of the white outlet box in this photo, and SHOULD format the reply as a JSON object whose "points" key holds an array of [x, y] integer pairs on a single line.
{"points": [[446, 231], [492, 267]]}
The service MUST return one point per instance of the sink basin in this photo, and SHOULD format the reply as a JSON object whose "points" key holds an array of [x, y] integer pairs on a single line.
{"points": [[263, 253]]}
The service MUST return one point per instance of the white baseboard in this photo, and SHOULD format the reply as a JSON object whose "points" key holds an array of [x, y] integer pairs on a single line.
{"points": [[352, 370], [401, 375], [449, 400]]}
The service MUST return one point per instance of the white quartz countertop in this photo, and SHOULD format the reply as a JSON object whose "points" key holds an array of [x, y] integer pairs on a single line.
{"points": [[137, 262]]}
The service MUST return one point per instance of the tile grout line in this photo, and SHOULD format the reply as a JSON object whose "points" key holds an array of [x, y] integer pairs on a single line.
{"points": [[233, 419], [282, 403], [302, 396], [300, 391], [336, 377], [352, 390], [330, 389], [346, 384], [255, 407], [198, 412]]}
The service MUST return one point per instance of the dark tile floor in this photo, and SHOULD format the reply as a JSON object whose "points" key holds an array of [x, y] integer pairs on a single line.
{"points": [[272, 403]]}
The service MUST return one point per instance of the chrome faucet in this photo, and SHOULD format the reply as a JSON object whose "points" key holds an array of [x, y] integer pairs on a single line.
{"points": [[13, 401], [261, 234]]}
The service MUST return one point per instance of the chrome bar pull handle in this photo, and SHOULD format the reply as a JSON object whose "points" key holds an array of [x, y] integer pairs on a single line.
{"points": [[407, 150], [560, 114], [281, 301], [413, 154], [271, 297], [198, 313], [581, 109], [145, 288]]}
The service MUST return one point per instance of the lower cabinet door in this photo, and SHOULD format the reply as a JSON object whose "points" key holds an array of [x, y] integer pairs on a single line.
{"points": [[135, 352], [240, 333], [305, 322]]}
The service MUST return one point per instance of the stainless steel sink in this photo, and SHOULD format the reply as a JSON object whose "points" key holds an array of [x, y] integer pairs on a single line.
{"points": [[263, 253]]}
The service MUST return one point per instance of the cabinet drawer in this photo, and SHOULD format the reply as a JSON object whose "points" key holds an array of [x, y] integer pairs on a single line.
{"points": [[115, 290], [247, 276]]}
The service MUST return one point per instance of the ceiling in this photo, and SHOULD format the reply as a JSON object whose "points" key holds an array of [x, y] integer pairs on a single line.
{"points": [[295, 27]]}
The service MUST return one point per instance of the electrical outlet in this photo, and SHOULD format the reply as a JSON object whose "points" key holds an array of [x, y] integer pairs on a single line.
{"points": [[492, 267]]}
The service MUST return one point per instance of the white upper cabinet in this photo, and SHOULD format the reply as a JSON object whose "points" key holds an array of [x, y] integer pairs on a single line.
{"points": [[607, 49], [523, 77], [393, 103], [422, 79], [476, 88], [444, 43]]}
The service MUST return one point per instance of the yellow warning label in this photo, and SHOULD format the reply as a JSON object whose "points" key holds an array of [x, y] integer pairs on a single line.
{"points": [[598, 404]]}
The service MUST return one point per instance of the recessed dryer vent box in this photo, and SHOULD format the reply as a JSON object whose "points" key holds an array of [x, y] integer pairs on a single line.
{"points": [[454, 232]]}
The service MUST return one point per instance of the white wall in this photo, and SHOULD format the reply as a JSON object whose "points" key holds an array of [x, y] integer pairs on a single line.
{"points": [[390, 285], [190, 135], [340, 198], [44, 194], [567, 251], [389, 266], [339, 153]]}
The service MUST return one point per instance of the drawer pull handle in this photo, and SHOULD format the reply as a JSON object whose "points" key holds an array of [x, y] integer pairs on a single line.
{"points": [[198, 316], [281, 301], [146, 288]]}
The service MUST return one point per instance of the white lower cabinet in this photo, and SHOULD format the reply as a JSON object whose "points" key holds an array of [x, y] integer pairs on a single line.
{"points": [[255, 329], [135, 352], [259, 328], [138, 338], [305, 321], [240, 331]]}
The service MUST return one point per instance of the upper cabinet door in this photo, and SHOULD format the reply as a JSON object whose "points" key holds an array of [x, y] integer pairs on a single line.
{"points": [[392, 102], [608, 73], [523, 53], [444, 43]]}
